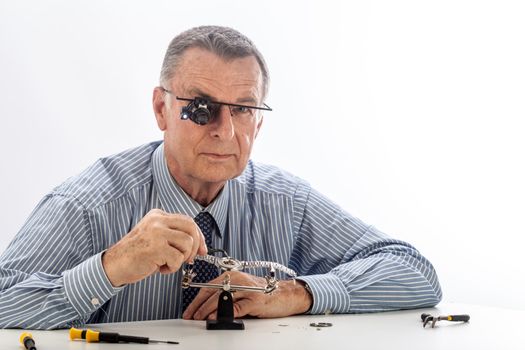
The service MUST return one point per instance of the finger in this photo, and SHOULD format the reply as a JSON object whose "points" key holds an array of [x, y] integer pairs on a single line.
{"points": [[199, 242], [203, 295], [187, 224], [207, 308], [181, 241], [173, 259], [243, 307], [157, 211], [202, 248], [180, 222]]}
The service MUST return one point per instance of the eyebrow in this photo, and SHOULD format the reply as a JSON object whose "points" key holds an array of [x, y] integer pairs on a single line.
{"points": [[196, 92]]}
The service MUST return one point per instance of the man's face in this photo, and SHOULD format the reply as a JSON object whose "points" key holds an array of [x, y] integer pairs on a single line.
{"points": [[213, 153]]}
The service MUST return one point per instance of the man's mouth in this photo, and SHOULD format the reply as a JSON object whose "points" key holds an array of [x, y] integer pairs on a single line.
{"points": [[218, 156]]}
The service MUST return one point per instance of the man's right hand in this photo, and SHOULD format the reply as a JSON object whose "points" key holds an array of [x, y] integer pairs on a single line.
{"points": [[159, 242]]}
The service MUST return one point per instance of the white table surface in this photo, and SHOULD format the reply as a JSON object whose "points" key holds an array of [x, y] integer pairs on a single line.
{"points": [[489, 328]]}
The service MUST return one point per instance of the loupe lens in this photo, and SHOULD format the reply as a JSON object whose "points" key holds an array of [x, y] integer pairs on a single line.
{"points": [[201, 116]]}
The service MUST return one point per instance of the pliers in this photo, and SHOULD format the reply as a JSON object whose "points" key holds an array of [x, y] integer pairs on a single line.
{"points": [[426, 318]]}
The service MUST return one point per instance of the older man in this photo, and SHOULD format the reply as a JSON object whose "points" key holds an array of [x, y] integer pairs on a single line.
{"points": [[108, 245]]}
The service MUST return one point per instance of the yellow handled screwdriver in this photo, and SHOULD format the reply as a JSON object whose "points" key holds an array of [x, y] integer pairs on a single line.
{"points": [[95, 337], [27, 341]]}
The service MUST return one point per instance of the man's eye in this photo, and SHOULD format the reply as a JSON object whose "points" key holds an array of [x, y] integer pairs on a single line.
{"points": [[241, 110]]}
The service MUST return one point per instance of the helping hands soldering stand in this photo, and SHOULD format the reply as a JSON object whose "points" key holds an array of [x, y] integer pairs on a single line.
{"points": [[225, 319]]}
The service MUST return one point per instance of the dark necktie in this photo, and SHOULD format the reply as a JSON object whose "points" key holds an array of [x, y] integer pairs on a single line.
{"points": [[205, 271]]}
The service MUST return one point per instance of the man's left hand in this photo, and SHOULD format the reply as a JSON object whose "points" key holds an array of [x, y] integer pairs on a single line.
{"points": [[288, 299]]}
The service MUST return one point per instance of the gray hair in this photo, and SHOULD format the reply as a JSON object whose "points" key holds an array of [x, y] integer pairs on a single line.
{"points": [[225, 42]]}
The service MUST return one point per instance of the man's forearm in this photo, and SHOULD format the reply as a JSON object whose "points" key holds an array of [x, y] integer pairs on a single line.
{"points": [[47, 302], [396, 278]]}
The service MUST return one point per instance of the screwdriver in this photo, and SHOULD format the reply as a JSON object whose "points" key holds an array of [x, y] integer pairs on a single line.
{"points": [[95, 337], [27, 341]]}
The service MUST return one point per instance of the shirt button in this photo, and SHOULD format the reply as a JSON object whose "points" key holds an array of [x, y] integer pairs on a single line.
{"points": [[95, 302]]}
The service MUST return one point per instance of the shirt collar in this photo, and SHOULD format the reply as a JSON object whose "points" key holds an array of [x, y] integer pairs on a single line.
{"points": [[173, 199]]}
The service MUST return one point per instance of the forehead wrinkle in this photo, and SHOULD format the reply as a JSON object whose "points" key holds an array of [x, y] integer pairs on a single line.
{"points": [[222, 74], [216, 91]]}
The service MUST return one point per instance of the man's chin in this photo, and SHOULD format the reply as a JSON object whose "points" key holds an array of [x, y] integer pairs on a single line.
{"points": [[218, 175], [219, 171]]}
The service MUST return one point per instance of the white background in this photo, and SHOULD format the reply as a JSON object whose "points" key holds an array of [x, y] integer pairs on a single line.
{"points": [[407, 113]]}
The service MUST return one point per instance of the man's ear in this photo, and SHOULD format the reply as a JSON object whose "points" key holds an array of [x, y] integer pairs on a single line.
{"points": [[160, 108]]}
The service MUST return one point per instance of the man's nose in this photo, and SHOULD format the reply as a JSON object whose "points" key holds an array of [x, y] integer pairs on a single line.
{"points": [[222, 124]]}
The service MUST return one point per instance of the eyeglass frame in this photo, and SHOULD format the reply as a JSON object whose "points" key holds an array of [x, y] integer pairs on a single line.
{"points": [[265, 108]]}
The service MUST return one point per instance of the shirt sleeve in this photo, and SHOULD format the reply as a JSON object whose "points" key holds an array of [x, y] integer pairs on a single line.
{"points": [[49, 275], [351, 267]]}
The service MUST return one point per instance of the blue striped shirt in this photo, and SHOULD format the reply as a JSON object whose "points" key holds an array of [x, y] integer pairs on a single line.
{"points": [[51, 274]]}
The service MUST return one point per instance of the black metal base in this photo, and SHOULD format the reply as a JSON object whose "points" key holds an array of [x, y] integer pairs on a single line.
{"points": [[216, 325], [225, 314]]}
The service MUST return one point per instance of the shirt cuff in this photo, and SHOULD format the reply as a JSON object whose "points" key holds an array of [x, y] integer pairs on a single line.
{"points": [[87, 286], [328, 292]]}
